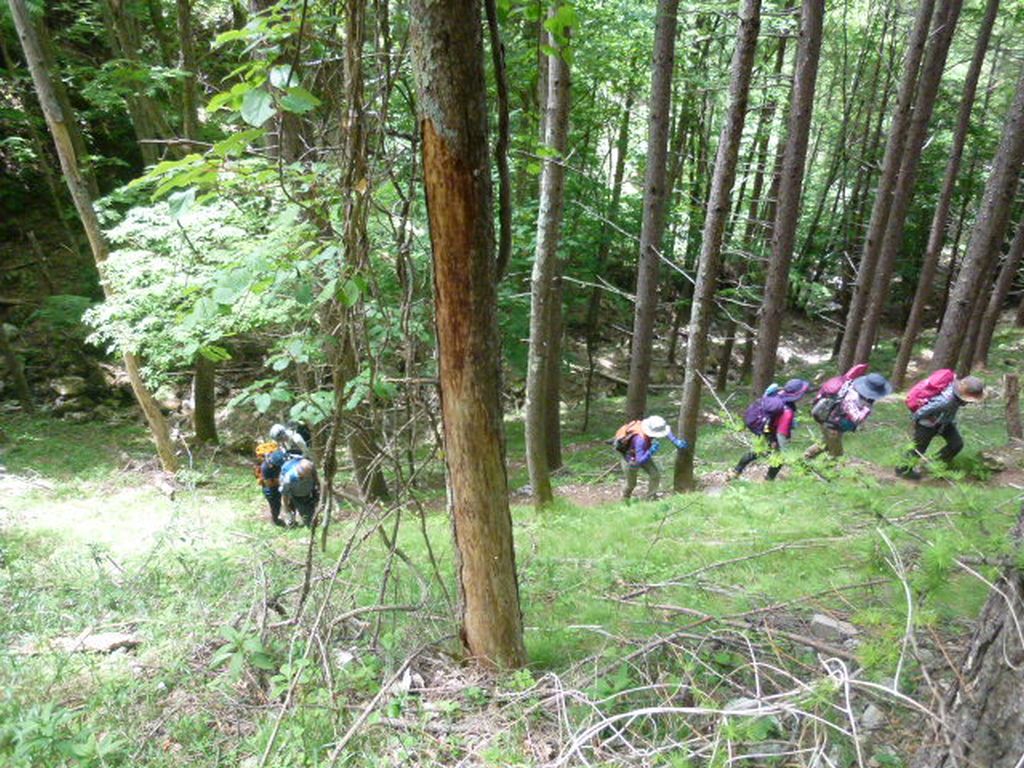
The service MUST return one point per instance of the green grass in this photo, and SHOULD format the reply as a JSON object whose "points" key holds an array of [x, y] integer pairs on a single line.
{"points": [[93, 546]]}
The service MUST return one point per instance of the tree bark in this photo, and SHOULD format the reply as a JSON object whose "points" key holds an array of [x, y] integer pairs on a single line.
{"points": [[984, 704], [16, 371], [940, 219], [886, 185], [56, 121], [653, 225], [545, 270], [987, 234], [1011, 393], [204, 401], [945, 20], [1009, 270], [447, 58], [788, 208], [719, 205]]}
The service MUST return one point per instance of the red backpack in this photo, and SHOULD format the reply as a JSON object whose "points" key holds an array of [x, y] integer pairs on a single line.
{"points": [[933, 386], [834, 386]]}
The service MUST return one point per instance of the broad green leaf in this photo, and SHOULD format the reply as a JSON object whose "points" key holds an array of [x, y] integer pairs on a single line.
{"points": [[262, 402], [299, 100], [350, 293], [179, 203], [236, 143], [257, 107], [281, 76]]}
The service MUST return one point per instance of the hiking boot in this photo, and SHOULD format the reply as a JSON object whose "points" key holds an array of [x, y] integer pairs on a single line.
{"points": [[908, 473]]}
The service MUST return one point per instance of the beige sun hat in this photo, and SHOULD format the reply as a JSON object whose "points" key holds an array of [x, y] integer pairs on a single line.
{"points": [[970, 389], [655, 426]]}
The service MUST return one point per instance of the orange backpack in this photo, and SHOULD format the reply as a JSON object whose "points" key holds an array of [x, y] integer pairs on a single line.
{"points": [[624, 435]]}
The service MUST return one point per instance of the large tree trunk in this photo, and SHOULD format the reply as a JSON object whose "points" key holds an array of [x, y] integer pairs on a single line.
{"points": [[719, 205], [78, 186], [653, 225], [940, 219], [1009, 270], [984, 705], [543, 304], [987, 236], [447, 57], [204, 401], [945, 21], [788, 208], [15, 370], [886, 185]]}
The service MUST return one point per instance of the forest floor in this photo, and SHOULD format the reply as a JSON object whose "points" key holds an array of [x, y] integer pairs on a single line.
{"points": [[767, 620]]}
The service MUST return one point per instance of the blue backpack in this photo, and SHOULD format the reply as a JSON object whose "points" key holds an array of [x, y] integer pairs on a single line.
{"points": [[762, 412]]}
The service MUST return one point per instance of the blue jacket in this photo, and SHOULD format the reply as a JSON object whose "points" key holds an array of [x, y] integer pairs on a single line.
{"points": [[940, 410]]}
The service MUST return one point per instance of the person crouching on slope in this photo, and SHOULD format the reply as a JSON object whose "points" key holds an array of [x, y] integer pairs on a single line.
{"points": [[934, 403], [637, 441], [772, 417], [843, 404]]}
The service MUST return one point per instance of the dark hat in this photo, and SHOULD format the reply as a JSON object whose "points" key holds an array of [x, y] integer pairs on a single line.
{"points": [[970, 389], [873, 386], [794, 390]]}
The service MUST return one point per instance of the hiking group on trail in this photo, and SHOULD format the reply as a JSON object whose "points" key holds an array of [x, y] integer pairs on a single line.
{"points": [[840, 406], [287, 475]]}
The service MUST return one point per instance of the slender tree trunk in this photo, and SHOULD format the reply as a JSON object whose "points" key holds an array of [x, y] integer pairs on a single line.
{"points": [[553, 380], [156, 20], [447, 58], [940, 220], [189, 92], [1010, 268], [790, 189], [79, 189], [17, 373], [945, 20], [886, 185], [965, 360], [1011, 393], [545, 270], [653, 224], [987, 235], [204, 401], [719, 205]]}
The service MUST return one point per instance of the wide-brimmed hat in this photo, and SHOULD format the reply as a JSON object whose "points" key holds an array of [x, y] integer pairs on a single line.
{"points": [[794, 390], [873, 386], [655, 426], [278, 432], [970, 389]]}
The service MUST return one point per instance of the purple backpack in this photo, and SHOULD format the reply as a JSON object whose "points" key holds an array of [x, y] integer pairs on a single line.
{"points": [[763, 412]]}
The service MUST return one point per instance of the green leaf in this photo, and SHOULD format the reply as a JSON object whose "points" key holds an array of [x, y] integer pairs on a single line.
{"points": [[299, 101], [262, 402], [261, 660], [257, 107], [237, 143], [215, 354], [281, 76], [179, 203], [350, 293]]}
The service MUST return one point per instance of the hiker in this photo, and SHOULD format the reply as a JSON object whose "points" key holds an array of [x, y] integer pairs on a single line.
{"points": [[269, 475], [300, 488], [843, 403], [637, 441], [934, 403], [290, 438], [772, 416]]}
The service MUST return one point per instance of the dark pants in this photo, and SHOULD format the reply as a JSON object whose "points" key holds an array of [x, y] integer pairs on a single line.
{"points": [[753, 456], [304, 505], [273, 497], [923, 437]]}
